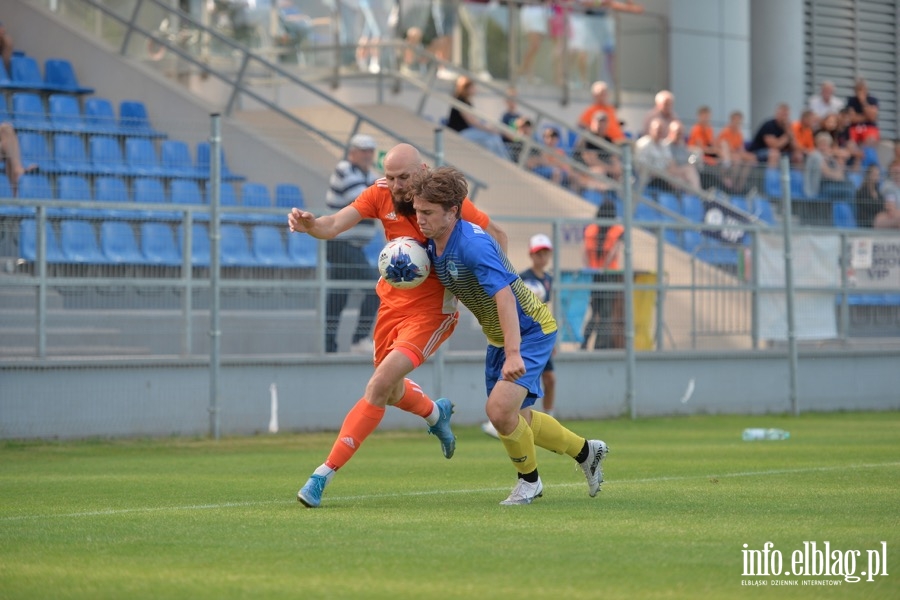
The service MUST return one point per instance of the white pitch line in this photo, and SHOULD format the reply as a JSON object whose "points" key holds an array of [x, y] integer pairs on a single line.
{"points": [[190, 507]]}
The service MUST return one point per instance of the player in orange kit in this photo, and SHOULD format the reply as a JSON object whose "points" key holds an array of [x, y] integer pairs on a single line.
{"points": [[411, 323]]}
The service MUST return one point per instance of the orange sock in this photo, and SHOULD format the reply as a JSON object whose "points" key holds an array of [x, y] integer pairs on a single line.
{"points": [[358, 424], [414, 400]]}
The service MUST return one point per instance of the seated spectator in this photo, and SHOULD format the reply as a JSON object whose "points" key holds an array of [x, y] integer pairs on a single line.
{"points": [[598, 159], [825, 102], [512, 109], [802, 131], [889, 216], [12, 155], [702, 137], [869, 201], [737, 163], [549, 161], [773, 138], [6, 47], [514, 145], [600, 95], [825, 175], [844, 146], [663, 109], [687, 162], [471, 127], [650, 152], [863, 111]]}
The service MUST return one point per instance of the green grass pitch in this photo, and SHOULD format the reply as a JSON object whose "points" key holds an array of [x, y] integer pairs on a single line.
{"points": [[185, 518]]}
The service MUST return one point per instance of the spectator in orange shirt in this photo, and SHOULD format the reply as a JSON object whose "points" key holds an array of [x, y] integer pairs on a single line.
{"points": [[803, 132], [600, 93], [702, 137], [736, 162]]}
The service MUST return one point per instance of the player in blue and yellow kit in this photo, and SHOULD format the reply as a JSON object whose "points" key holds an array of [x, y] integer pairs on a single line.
{"points": [[520, 330]]}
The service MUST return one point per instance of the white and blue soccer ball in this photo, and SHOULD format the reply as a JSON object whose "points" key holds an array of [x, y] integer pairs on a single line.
{"points": [[404, 263]]}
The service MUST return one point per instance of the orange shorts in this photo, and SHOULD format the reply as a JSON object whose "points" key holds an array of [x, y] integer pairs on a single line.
{"points": [[418, 335]]}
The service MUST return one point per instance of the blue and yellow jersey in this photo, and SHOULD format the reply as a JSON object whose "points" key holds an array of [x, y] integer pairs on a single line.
{"points": [[474, 268]]}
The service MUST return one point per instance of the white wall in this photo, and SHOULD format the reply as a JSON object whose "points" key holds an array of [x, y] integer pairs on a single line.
{"points": [[776, 57], [709, 57]]}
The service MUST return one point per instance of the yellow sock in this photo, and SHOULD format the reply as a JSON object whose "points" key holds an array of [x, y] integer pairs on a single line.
{"points": [[550, 434], [520, 447]]}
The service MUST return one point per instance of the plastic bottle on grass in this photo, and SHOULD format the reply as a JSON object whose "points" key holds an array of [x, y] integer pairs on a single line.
{"points": [[760, 433]]}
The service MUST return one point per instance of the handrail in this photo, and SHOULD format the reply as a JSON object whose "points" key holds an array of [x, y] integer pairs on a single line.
{"points": [[238, 84]]}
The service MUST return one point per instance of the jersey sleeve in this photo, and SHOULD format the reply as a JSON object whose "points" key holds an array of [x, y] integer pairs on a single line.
{"points": [[367, 203], [483, 257]]}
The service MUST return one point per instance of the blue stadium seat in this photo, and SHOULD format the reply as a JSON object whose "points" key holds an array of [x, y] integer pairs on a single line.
{"points": [[256, 195], [227, 197], [843, 215], [690, 240], [59, 74], [106, 156], [670, 201], [235, 248], [203, 159], [796, 179], [176, 159], [33, 187], [288, 195], [77, 189], [186, 191], [28, 241], [200, 246], [25, 72], [772, 183], [100, 116], [69, 153], [158, 244], [303, 249], [34, 151], [150, 190], [762, 208], [28, 112], [141, 158], [4, 111], [740, 203], [269, 248], [692, 208], [134, 120], [119, 244], [65, 114], [79, 243], [114, 189], [6, 82], [644, 210]]}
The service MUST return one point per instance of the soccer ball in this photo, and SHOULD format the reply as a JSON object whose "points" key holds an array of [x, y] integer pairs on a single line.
{"points": [[404, 263]]}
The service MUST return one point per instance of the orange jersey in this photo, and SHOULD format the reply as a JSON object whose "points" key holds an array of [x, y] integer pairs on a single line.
{"points": [[803, 136], [701, 136], [734, 139], [613, 128], [376, 203]]}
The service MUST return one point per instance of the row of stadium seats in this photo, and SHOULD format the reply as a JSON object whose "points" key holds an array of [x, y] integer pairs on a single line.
{"points": [[161, 244], [149, 190], [25, 74], [128, 157], [63, 113]]}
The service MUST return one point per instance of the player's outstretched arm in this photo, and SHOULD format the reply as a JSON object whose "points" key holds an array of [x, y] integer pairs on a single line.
{"points": [[324, 227]]}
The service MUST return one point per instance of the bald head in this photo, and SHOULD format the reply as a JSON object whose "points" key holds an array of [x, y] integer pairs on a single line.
{"points": [[400, 164]]}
